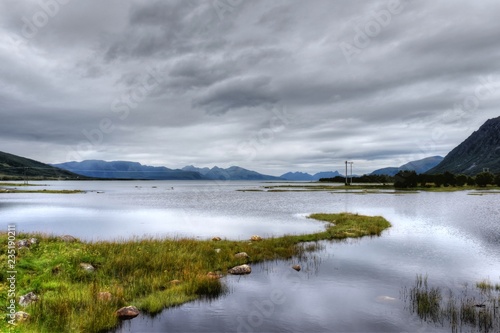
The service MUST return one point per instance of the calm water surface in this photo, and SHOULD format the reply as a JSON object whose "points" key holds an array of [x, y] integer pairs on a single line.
{"points": [[351, 286]]}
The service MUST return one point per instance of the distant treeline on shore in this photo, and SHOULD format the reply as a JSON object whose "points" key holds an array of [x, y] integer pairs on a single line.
{"points": [[409, 179]]}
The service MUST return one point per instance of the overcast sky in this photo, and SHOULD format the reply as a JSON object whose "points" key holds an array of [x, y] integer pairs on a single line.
{"points": [[272, 86]]}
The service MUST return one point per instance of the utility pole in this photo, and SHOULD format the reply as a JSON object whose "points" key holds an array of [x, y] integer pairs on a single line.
{"points": [[351, 171], [346, 175]]}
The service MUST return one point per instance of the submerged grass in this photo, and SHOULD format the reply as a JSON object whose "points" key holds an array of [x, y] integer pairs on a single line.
{"points": [[151, 274], [469, 311]]}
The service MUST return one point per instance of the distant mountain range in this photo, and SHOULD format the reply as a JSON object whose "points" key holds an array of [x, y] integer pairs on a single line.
{"points": [[135, 170], [481, 150], [302, 176], [420, 166], [126, 170], [16, 167], [231, 173]]}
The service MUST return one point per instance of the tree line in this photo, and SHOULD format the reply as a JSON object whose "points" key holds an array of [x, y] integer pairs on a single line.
{"points": [[409, 179]]}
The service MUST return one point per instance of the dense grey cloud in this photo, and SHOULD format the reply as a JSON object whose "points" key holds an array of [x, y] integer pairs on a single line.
{"points": [[273, 86]]}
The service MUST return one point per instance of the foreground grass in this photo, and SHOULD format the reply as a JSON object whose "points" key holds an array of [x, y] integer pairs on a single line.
{"points": [[151, 274]]}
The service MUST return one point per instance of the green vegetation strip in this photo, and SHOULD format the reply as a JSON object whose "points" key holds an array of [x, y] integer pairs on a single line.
{"points": [[375, 188], [151, 274], [3, 190], [19, 184]]}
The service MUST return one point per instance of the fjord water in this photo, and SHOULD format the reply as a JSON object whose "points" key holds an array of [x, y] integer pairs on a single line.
{"points": [[349, 286]]}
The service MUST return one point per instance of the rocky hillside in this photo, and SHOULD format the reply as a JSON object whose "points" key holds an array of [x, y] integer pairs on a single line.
{"points": [[480, 150], [13, 167], [419, 166]]}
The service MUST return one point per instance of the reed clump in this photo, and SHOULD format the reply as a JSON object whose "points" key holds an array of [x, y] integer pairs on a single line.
{"points": [[151, 274], [469, 310]]}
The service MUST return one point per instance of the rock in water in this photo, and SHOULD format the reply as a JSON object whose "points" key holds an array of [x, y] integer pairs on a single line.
{"points": [[240, 270], [127, 312], [296, 267], [385, 299]]}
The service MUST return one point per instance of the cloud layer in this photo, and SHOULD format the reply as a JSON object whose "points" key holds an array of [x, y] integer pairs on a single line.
{"points": [[271, 86]]}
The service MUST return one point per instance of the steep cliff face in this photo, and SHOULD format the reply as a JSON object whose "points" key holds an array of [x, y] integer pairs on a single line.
{"points": [[480, 150]]}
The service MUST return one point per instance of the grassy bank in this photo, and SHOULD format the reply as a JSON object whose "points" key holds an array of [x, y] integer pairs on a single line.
{"points": [[151, 274]]}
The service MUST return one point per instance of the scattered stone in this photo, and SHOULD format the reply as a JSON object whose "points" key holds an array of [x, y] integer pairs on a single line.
{"points": [[213, 275], [217, 250], [175, 282], [127, 312], [104, 296], [241, 255], [56, 270], [255, 238], [26, 243], [240, 270], [21, 316], [87, 267], [68, 239], [216, 239], [27, 299], [296, 267], [22, 243]]}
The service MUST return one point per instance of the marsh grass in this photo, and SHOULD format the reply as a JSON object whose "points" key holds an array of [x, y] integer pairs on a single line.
{"points": [[469, 311], [41, 191], [151, 274], [19, 184]]}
